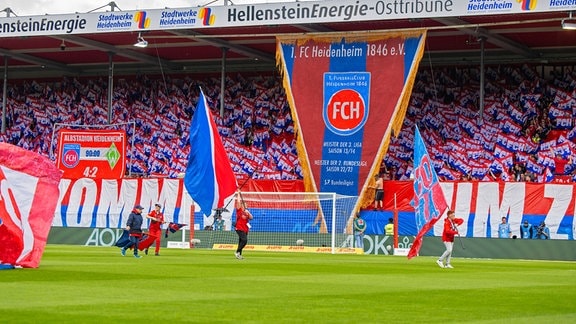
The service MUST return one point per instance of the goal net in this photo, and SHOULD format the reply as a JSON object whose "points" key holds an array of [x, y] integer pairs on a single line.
{"points": [[293, 221]]}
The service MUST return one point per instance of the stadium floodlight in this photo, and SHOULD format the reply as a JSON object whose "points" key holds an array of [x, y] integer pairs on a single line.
{"points": [[569, 23], [141, 42], [8, 12]]}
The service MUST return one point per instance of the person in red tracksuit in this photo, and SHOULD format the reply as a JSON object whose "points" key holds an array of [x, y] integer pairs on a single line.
{"points": [[450, 230], [243, 216], [155, 230]]}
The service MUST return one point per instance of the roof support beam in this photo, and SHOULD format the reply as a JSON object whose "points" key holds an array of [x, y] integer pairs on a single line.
{"points": [[222, 43], [495, 39], [312, 28], [120, 51], [38, 61]]}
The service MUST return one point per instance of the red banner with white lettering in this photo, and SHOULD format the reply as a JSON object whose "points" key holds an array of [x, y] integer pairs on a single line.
{"points": [[92, 154], [483, 204], [107, 203], [28, 197]]}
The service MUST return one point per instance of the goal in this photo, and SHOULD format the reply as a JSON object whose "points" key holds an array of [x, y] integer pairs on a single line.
{"points": [[294, 221]]}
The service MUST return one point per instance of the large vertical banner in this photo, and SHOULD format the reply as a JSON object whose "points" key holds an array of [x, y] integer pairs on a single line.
{"points": [[97, 154], [347, 93]]}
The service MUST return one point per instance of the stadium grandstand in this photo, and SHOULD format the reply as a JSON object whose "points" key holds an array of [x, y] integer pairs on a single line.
{"points": [[491, 89], [256, 126], [519, 127], [525, 133]]}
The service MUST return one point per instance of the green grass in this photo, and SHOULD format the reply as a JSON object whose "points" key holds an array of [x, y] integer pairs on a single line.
{"points": [[96, 285]]}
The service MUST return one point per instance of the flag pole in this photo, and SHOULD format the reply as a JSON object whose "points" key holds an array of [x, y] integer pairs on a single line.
{"points": [[191, 225], [395, 223], [239, 190]]}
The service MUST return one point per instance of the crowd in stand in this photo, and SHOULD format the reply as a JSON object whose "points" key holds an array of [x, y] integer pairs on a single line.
{"points": [[525, 131], [256, 125]]}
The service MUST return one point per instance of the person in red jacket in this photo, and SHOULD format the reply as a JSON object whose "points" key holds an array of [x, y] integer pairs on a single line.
{"points": [[155, 231], [450, 230], [243, 216]]}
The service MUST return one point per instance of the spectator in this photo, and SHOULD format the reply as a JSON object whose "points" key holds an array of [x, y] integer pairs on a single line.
{"points": [[560, 164], [518, 171], [379, 192]]}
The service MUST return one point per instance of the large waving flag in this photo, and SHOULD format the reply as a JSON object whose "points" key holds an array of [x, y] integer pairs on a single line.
{"points": [[429, 201], [28, 197], [209, 178]]}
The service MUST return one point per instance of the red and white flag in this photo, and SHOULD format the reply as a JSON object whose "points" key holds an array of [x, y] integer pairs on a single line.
{"points": [[29, 194]]}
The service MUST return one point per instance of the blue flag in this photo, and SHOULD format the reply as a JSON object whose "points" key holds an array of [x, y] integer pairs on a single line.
{"points": [[123, 239], [209, 178], [429, 202]]}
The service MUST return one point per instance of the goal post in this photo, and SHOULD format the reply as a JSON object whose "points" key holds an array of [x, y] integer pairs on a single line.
{"points": [[294, 221]]}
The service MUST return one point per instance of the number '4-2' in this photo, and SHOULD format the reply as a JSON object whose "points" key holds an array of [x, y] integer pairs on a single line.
{"points": [[90, 172]]}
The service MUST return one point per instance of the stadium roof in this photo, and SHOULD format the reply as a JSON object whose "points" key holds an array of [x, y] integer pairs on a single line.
{"points": [[507, 39]]}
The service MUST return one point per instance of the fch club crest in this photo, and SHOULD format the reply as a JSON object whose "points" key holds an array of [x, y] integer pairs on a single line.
{"points": [[345, 96], [71, 155]]}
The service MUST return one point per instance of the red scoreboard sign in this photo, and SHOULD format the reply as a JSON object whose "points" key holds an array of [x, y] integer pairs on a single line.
{"points": [[92, 154]]}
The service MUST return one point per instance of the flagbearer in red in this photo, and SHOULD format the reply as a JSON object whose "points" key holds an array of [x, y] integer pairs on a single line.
{"points": [[154, 230], [451, 224], [243, 217]]}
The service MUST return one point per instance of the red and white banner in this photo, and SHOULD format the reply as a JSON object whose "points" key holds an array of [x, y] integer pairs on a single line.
{"points": [[483, 204], [28, 197], [92, 154], [98, 203]]}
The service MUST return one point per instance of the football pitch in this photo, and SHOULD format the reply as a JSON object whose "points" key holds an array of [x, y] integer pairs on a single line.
{"points": [[77, 284]]}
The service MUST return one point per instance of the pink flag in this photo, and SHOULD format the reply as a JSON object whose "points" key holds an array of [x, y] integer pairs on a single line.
{"points": [[28, 197]]}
